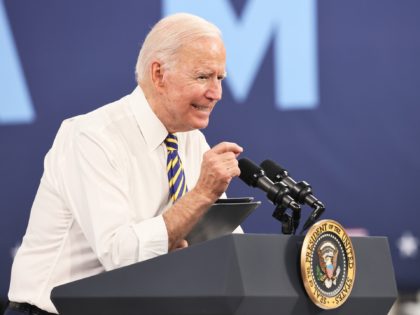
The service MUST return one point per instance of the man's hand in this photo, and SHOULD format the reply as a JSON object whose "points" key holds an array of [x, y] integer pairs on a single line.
{"points": [[218, 168], [181, 244]]}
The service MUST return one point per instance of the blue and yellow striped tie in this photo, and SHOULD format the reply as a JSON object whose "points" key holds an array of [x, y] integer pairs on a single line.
{"points": [[176, 176]]}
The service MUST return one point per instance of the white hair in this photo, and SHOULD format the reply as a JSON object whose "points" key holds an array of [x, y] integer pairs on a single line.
{"points": [[167, 36]]}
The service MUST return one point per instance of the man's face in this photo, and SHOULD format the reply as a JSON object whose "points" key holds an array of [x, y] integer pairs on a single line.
{"points": [[193, 85]]}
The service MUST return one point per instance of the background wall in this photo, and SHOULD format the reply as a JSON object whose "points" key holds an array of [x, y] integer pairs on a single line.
{"points": [[329, 89]]}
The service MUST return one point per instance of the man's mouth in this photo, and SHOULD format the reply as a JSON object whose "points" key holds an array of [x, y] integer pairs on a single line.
{"points": [[202, 108]]}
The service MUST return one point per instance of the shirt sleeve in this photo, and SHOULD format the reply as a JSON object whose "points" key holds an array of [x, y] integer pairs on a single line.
{"points": [[95, 188]]}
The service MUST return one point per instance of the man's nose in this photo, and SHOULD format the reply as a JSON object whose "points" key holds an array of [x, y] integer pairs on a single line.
{"points": [[214, 91]]}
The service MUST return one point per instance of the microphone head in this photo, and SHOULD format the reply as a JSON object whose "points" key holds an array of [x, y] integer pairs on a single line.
{"points": [[250, 172], [274, 171]]}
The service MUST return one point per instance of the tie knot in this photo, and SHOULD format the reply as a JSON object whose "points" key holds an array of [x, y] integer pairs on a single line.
{"points": [[171, 142]]}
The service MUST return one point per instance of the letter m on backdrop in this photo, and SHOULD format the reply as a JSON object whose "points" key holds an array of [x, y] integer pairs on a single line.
{"points": [[15, 101], [292, 25]]}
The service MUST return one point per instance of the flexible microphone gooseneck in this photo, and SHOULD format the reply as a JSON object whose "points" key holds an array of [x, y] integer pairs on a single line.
{"points": [[300, 191], [277, 193], [254, 176]]}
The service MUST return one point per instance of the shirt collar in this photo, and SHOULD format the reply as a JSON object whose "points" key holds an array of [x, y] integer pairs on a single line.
{"points": [[153, 130]]}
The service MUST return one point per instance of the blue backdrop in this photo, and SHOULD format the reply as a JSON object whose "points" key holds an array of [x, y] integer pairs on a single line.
{"points": [[329, 89]]}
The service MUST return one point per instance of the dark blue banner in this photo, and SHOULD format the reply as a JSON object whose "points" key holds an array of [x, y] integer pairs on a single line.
{"points": [[328, 89]]}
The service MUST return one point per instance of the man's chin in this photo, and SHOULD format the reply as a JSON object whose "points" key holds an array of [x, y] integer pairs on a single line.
{"points": [[201, 124]]}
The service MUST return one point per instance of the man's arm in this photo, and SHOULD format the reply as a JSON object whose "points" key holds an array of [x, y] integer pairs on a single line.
{"points": [[94, 186], [218, 168], [93, 183]]}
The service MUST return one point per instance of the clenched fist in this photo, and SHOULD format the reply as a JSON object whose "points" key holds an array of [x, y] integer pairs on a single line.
{"points": [[218, 168]]}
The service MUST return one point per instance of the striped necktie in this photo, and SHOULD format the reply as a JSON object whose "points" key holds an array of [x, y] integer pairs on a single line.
{"points": [[176, 176]]}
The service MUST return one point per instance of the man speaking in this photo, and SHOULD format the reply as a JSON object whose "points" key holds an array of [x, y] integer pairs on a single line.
{"points": [[128, 181]]}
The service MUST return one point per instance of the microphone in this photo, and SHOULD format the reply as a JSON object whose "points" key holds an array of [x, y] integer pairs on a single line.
{"points": [[300, 191], [277, 193]]}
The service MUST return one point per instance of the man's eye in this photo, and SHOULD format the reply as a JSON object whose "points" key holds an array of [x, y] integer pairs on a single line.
{"points": [[203, 77]]}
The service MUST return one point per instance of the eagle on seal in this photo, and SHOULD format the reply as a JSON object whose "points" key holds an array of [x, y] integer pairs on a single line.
{"points": [[327, 254]]}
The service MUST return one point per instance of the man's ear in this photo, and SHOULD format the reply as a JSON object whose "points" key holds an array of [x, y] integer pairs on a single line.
{"points": [[157, 74]]}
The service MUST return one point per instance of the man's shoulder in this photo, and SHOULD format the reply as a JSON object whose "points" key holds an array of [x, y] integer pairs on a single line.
{"points": [[100, 118]]}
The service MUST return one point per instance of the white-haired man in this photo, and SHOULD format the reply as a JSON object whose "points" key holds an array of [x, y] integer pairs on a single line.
{"points": [[128, 181]]}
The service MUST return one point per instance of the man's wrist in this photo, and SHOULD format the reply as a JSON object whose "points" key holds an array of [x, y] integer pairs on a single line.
{"points": [[203, 197]]}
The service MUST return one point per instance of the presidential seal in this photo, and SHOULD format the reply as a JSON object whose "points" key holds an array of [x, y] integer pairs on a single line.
{"points": [[328, 264]]}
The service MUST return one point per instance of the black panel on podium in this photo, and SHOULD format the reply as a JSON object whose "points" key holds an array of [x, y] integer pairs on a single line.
{"points": [[243, 274]]}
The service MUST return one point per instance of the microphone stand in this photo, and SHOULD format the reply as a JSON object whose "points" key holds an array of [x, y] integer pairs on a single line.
{"points": [[318, 209], [302, 192], [289, 223]]}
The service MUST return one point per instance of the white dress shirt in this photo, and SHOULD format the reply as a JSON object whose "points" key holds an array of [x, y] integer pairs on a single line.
{"points": [[100, 201]]}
